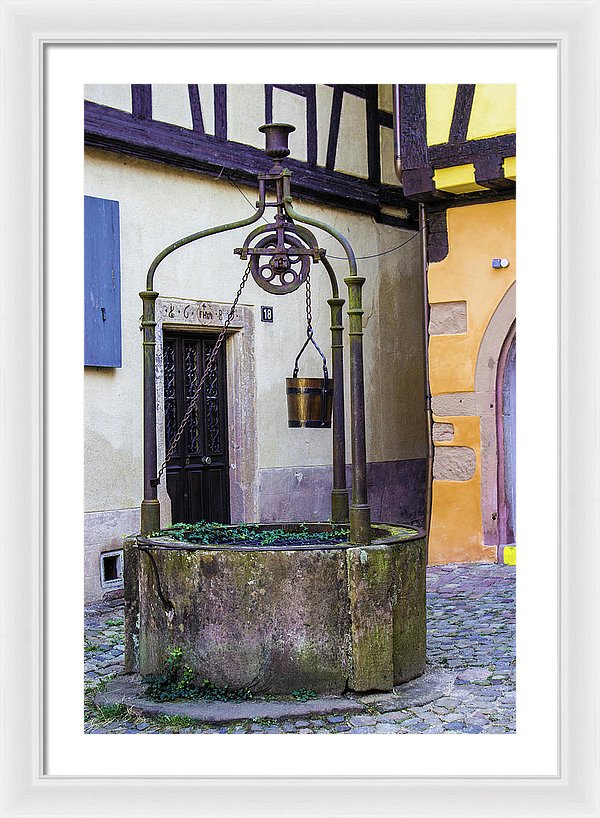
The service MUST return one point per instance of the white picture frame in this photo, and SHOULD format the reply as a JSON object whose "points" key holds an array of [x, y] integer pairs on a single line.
{"points": [[27, 27]]}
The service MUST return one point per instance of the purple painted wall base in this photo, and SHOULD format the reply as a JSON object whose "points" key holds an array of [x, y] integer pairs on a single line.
{"points": [[396, 492]]}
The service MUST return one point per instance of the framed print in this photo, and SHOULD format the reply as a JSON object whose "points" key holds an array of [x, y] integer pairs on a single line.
{"points": [[549, 763]]}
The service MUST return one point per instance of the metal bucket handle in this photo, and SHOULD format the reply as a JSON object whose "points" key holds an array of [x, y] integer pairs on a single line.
{"points": [[310, 339]]}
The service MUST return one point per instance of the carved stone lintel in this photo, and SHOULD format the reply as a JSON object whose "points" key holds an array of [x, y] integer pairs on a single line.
{"points": [[198, 313]]}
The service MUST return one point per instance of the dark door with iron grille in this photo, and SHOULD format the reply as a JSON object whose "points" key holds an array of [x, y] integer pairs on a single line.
{"points": [[198, 473]]}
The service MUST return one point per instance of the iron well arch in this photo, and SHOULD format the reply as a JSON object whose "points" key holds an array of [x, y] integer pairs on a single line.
{"points": [[288, 239]]}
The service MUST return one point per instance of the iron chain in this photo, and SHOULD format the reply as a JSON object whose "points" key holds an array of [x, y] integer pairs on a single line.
{"points": [[309, 329], [210, 366]]}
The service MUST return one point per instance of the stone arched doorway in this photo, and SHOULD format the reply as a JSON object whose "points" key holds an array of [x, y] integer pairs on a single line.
{"points": [[490, 373], [506, 434]]}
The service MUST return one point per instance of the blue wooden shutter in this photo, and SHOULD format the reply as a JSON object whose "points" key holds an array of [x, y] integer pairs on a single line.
{"points": [[102, 281]]}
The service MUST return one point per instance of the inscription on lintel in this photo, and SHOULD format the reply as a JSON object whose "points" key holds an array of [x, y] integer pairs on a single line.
{"points": [[199, 312]]}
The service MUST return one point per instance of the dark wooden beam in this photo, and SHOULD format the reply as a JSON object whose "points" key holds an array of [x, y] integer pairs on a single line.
{"points": [[477, 197], [196, 108], [437, 235], [395, 221], [311, 125], [141, 101], [444, 156], [489, 172], [462, 113], [373, 146], [418, 183], [220, 92], [386, 119], [355, 90], [268, 104], [334, 126], [413, 127], [389, 196], [120, 132]]}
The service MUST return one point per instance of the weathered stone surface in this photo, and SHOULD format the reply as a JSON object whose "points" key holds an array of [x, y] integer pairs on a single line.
{"points": [[277, 621], [457, 404], [408, 595], [433, 684], [387, 611], [132, 604], [453, 463], [265, 620], [448, 318], [443, 432], [471, 628], [369, 572], [128, 691]]}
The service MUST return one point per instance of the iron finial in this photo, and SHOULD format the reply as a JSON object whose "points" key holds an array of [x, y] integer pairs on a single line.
{"points": [[276, 139]]}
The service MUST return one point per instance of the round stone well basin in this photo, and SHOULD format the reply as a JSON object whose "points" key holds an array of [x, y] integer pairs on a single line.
{"points": [[276, 619]]}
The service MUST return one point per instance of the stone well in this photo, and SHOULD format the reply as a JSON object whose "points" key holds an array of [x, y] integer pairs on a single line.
{"points": [[277, 619]]}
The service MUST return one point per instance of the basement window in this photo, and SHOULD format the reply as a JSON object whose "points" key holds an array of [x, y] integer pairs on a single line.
{"points": [[111, 569]]}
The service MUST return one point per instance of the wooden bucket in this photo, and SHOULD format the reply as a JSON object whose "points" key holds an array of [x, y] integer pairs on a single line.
{"points": [[309, 402]]}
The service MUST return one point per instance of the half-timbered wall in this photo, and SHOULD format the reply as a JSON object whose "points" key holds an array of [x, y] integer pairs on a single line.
{"points": [[341, 151], [457, 140], [458, 157], [161, 198]]}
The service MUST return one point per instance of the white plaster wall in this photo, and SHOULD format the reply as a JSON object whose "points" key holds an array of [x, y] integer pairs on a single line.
{"points": [[115, 96], [171, 103], [351, 155], [324, 104], [386, 148], [292, 108], [245, 114], [385, 98], [159, 205]]}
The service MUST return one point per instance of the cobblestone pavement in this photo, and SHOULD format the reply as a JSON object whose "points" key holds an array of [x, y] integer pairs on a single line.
{"points": [[470, 632]]}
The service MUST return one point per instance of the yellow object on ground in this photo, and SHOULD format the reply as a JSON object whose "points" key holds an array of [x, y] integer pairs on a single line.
{"points": [[510, 555]]}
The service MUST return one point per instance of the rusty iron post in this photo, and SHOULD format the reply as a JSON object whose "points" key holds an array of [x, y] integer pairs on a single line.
{"points": [[339, 492], [150, 509], [360, 511], [150, 512]]}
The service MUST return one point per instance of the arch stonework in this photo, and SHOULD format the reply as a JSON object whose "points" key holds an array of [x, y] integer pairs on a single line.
{"points": [[506, 506], [501, 324]]}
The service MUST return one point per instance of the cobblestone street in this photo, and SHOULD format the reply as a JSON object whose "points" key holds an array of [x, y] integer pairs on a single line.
{"points": [[470, 635]]}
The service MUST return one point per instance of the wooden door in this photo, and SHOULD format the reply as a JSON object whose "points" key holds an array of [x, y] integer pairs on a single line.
{"points": [[198, 473]]}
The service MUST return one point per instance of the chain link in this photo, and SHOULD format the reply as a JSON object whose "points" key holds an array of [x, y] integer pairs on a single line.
{"points": [[210, 366], [309, 329]]}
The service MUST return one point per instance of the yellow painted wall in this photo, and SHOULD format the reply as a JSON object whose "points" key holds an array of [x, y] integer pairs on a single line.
{"points": [[494, 111], [457, 179], [476, 234], [439, 105], [456, 528]]}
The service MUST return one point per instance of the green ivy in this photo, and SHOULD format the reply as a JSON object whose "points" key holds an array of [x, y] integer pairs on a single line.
{"points": [[176, 682], [303, 694], [204, 533]]}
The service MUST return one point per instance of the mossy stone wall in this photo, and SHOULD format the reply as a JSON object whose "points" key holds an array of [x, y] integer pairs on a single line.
{"points": [[277, 621]]}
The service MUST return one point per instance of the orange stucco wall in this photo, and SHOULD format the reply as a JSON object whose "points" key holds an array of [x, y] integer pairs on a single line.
{"points": [[476, 235]]}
